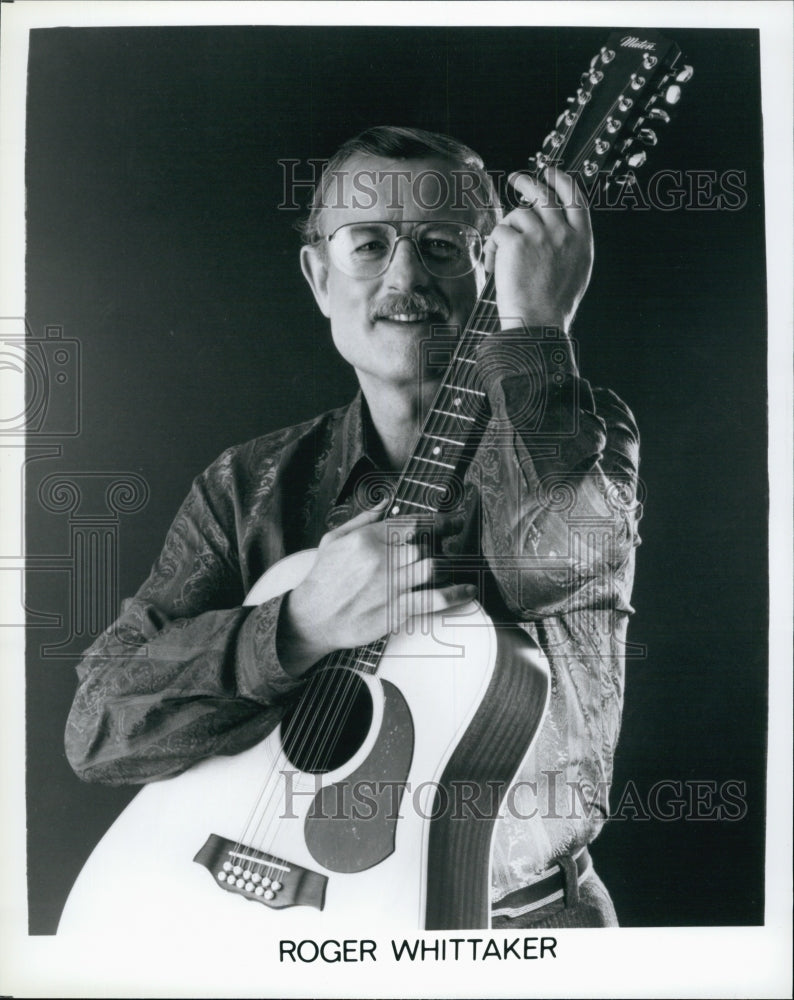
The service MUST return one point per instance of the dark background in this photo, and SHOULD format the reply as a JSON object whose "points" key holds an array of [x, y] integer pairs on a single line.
{"points": [[154, 240]]}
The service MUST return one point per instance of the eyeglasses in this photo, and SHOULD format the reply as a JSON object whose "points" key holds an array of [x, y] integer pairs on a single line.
{"points": [[365, 249]]}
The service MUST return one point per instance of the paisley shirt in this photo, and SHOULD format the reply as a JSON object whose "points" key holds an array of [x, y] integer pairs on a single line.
{"points": [[550, 508]]}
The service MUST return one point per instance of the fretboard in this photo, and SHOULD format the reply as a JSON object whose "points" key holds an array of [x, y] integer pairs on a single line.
{"points": [[433, 476], [432, 480]]}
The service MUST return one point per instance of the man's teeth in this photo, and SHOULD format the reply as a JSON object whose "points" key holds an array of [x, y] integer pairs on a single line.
{"points": [[407, 317]]}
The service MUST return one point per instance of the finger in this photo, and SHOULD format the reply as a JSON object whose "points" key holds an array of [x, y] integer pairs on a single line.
{"points": [[505, 234], [545, 203], [448, 524], [404, 529], [417, 574], [571, 197], [360, 520], [534, 193], [423, 602], [402, 556], [422, 530]]}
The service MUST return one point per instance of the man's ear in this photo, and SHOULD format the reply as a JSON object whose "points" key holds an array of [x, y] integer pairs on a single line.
{"points": [[315, 271]]}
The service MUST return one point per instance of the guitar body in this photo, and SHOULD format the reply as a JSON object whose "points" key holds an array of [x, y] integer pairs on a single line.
{"points": [[447, 720]]}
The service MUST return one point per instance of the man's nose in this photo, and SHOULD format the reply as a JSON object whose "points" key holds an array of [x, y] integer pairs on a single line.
{"points": [[406, 269]]}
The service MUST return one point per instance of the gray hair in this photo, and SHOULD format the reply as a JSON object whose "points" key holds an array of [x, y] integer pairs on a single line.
{"points": [[400, 142]]}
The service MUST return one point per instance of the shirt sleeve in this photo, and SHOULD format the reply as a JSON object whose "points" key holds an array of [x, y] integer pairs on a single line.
{"points": [[558, 481], [186, 671], [557, 473]]}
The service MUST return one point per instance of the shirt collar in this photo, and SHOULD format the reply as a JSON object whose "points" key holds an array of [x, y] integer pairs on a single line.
{"points": [[355, 456]]}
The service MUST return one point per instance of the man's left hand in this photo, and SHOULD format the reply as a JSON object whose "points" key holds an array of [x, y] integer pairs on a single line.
{"points": [[542, 253]]}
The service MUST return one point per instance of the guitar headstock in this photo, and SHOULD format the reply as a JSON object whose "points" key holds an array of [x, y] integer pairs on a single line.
{"points": [[627, 92]]}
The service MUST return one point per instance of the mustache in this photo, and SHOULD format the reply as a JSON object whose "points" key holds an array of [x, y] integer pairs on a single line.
{"points": [[411, 302]]}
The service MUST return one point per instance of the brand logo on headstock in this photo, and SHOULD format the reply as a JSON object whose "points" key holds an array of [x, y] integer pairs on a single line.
{"points": [[632, 42]]}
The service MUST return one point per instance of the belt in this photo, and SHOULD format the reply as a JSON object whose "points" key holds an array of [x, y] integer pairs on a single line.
{"points": [[560, 882]]}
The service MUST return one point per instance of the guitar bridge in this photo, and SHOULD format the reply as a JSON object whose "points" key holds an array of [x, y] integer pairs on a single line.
{"points": [[261, 877]]}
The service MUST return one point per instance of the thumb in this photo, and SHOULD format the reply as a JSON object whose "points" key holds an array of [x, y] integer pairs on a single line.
{"points": [[365, 517]]}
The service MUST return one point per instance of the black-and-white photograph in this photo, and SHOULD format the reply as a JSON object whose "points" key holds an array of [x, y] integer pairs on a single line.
{"points": [[388, 441]]}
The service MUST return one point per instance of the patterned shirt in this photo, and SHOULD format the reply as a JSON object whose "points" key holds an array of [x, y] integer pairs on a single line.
{"points": [[549, 503]]}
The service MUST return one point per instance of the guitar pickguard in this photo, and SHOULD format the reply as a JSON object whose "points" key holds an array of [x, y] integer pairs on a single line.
{"points": [[352, 824]]}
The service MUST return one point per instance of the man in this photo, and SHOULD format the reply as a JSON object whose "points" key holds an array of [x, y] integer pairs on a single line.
{"points": [[404, 225]]}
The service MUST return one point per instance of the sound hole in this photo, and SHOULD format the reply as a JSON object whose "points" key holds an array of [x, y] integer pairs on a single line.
{"points": [[329, 722]]}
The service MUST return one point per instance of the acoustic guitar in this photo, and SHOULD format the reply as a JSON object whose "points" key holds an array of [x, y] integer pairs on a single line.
{"points": [[351, 813]]}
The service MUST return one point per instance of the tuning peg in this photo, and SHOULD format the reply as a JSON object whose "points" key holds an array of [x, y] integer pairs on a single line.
{"points": [[607, 55], [648, 136], [566, 118], [595, 76], [613, 125], [637, 82], [582, 96], [601, 146], [637, 159], [538, 162], [659, 115], [552, 139], [649, 61], [624, 103], [673, 94], [685, 74]]}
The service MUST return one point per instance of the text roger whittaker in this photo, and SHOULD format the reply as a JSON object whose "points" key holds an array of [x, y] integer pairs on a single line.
{"points": [[418, 949]]}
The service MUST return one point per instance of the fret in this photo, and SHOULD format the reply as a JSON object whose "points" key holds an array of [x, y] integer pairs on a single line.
{"points": [[440, 437], [433, 461], [427, 486], [411, 503], [458, 416], [468, 361], [482, 333], [462, 388]]}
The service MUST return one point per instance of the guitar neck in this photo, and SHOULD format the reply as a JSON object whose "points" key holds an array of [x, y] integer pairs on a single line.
{"points": [[604, 132], [432, 478], [632, 83]]}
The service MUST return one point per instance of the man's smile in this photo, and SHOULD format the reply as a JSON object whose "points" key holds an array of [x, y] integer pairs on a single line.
{"points": [[412, 307], [408, 317]]}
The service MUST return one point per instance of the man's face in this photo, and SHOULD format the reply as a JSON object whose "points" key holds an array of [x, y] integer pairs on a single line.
{"points": [[378, 324]]}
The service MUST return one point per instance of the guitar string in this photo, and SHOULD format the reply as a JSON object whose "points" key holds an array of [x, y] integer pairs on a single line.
{"points": [[376, 648], [251, 836], [308, 708], [245, 840], [277, 768]]}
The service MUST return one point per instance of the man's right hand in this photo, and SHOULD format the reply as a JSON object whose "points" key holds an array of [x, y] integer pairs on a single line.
{"points": [[369, 577]]}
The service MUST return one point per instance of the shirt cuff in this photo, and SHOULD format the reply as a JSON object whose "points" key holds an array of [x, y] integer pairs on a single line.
{"points": [[260, 675], [532, 381], [559, 428]]}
